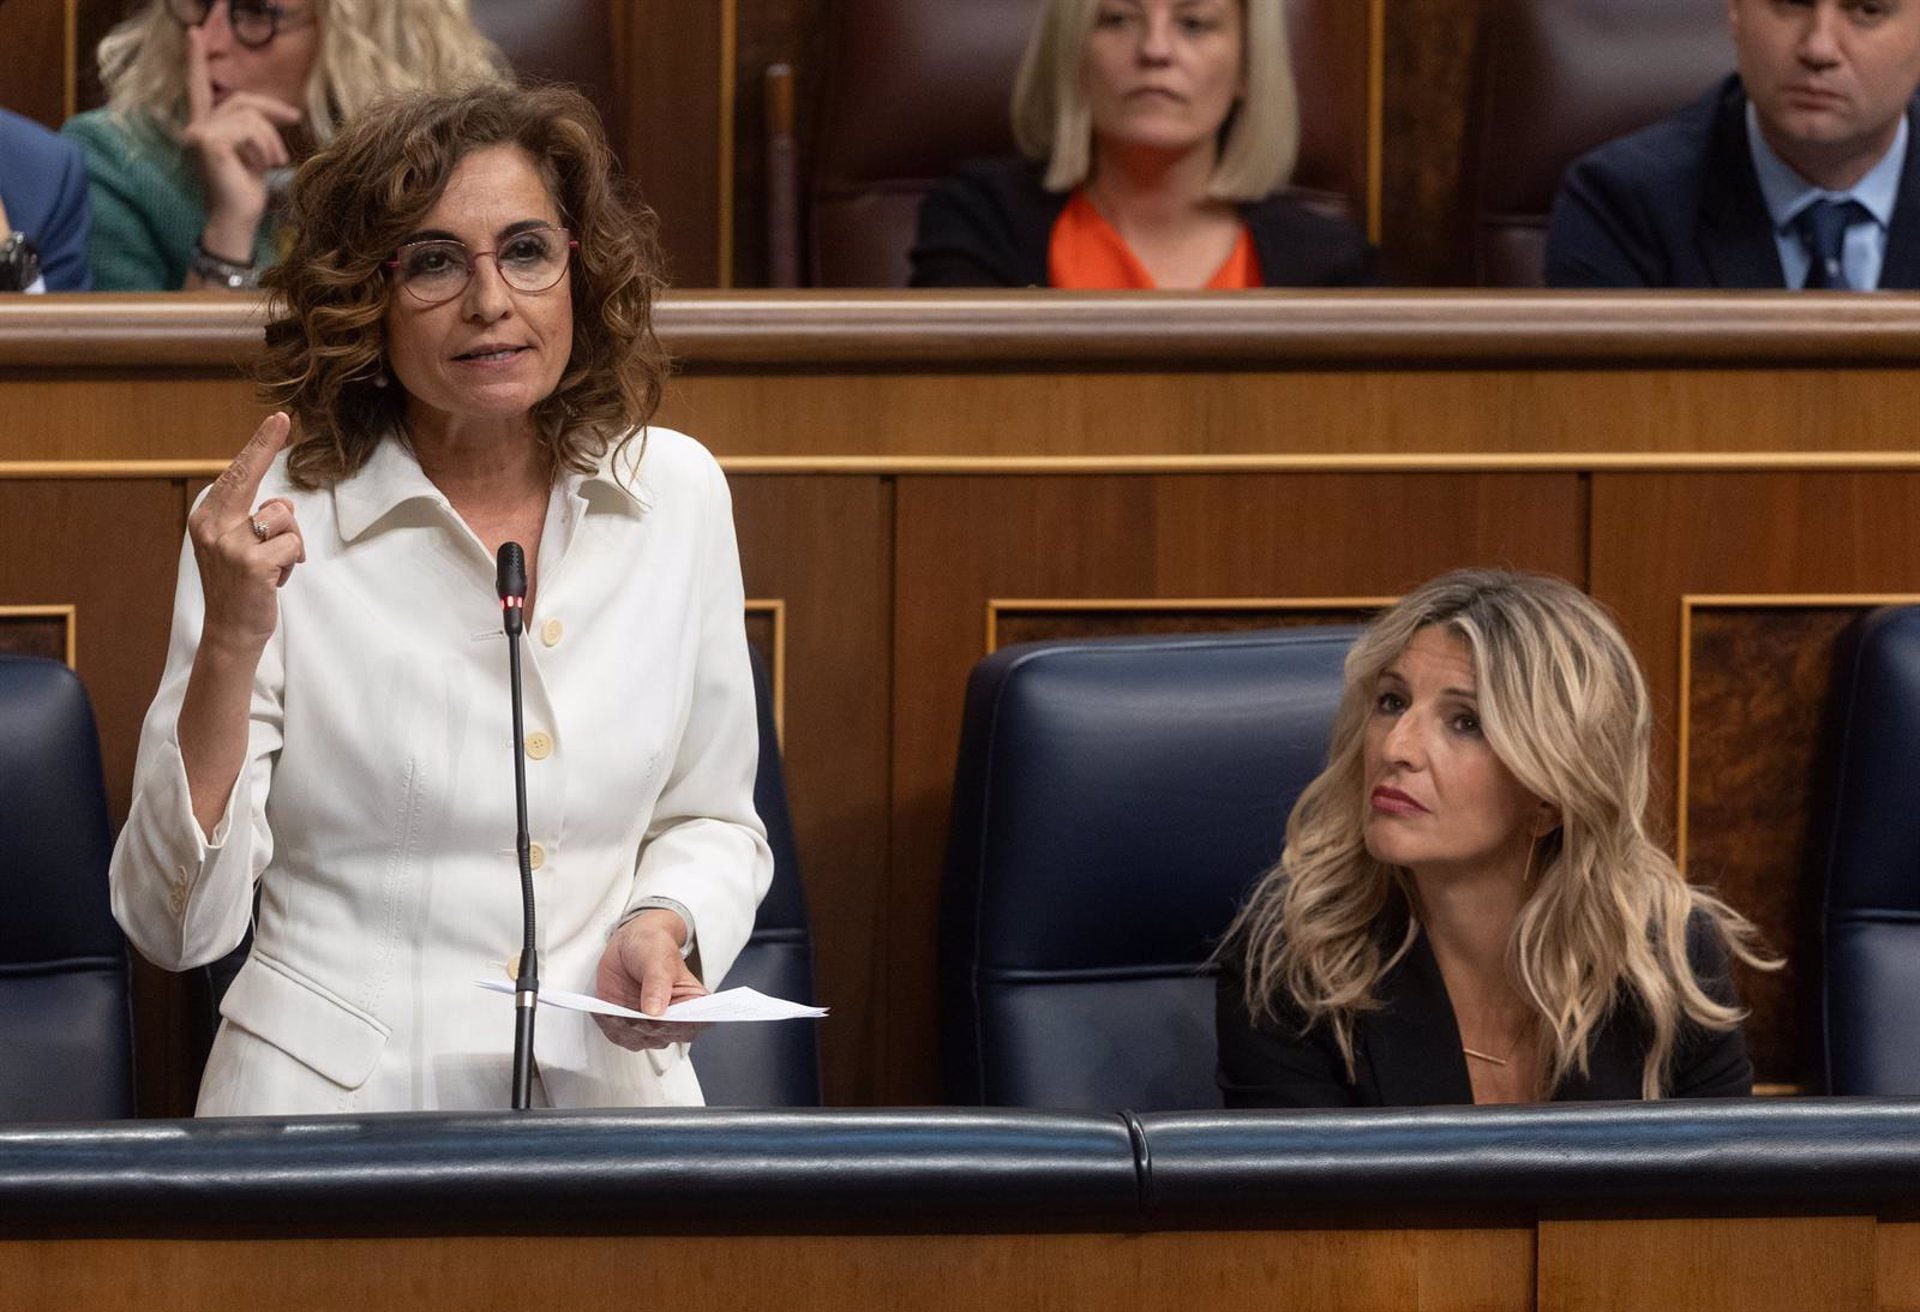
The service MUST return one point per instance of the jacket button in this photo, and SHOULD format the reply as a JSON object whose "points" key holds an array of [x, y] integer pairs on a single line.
{"points": [[551, 632], [539, 745]]}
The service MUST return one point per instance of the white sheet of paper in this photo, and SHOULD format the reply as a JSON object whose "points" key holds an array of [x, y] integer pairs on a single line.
{"points": [[740, 1004]]}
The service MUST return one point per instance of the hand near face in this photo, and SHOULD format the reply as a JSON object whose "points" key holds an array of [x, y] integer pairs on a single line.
{"points": [[234, 141], [642, 969], [242, 566]]}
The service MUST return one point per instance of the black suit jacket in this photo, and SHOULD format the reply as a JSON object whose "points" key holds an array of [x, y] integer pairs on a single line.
{"points": [[989, 223], [1407, 1054], [1678, 204]]}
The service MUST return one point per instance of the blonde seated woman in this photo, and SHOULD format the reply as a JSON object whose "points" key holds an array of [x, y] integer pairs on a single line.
{"points": [[1469, 908], [211, 104], [1158, 137]]}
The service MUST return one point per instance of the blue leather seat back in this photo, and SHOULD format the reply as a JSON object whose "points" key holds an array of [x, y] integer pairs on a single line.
{"points": [[1871, 996], [1113, 803], [66, 1023], [775, 1064]]}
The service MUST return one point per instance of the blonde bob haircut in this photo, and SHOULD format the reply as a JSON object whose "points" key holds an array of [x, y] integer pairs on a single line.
{"points": [[1259, 142], [368, 49], [1606, 919]]}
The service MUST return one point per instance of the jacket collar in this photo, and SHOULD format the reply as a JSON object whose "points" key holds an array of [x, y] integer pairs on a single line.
{"points": [[1411, 1045], [1900, 271], [1736, 232]]}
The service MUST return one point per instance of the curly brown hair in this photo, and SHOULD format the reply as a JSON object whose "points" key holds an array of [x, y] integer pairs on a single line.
{"points": [[355, 201]]}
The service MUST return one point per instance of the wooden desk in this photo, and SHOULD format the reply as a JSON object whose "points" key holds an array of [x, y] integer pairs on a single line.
{"points": [[918, 476], [1691, 1208]]}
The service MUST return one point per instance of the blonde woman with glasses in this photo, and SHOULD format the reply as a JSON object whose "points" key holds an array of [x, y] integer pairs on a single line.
{"points": [[1469, 907], [210, 104], [1157, 137]]}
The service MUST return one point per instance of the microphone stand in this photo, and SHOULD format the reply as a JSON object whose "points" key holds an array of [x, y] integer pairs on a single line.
{"points": [[512, 585]]}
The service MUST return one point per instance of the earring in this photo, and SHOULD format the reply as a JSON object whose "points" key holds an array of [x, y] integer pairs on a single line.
{"points": [[380, 379]]}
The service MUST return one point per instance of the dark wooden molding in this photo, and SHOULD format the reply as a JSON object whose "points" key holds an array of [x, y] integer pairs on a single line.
{"points": [[1260, 330]]}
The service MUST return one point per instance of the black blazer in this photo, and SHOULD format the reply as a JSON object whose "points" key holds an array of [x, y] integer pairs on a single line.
{"points": [[1678, 204], [1407, 1054], [989, 223]]}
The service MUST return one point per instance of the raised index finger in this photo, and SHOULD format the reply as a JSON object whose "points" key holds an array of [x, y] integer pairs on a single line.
{"points": [[233, 492], [199, 82]]}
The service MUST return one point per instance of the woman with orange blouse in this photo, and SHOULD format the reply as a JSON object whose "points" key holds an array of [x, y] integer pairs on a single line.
{"points": [[1157, 136]]}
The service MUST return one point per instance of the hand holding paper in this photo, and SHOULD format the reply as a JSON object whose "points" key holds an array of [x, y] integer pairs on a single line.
{"points": [[729, 1005]]}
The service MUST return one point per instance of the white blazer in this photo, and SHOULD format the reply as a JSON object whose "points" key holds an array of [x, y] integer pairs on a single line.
{"points": [[375, 813]]}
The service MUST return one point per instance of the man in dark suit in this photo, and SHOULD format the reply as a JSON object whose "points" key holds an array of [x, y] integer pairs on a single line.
{"points": [[43, 210], [1798, 172]]}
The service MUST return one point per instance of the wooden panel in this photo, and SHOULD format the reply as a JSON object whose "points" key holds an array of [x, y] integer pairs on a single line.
{"points": [[43, 632], [33, 33], [109, 549], [766, 634], [822, 546], [1658, 538], [1757, 689], [1429, 59], [1898, 1265], [1266, 537], [1281, 415], [1476, 1270], [1706, 1265], [150, 417], [1317, 1271], [672, 53], [1009, 622], [1297, 412]]}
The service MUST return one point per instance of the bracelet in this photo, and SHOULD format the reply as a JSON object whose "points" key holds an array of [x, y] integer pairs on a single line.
{"points": [[664, 904], [234, 277]]}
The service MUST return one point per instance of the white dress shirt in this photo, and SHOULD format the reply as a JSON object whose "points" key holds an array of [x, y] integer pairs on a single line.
{"points": [[375, 813]]}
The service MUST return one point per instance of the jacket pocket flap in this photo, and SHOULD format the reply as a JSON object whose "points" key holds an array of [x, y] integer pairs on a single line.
{"points": [[315, 1027]]}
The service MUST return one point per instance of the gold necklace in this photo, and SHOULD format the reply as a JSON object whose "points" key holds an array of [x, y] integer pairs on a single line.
{"points": [[1483, 1056]]}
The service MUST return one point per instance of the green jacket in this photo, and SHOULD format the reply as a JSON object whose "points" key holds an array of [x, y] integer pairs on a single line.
{"points": [[148, 205]]}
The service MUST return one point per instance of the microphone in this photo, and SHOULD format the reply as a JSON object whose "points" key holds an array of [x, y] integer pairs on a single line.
{"points": [[510, 581]]}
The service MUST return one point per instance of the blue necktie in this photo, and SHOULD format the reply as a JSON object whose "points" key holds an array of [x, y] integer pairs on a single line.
{"points": [[1822, 227]]}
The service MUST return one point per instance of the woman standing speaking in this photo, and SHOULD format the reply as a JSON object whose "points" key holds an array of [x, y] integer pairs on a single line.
{"points": [[462, 333]]}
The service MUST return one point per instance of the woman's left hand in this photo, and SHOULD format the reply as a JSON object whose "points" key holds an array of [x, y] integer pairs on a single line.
{"points": [[642, 969]]}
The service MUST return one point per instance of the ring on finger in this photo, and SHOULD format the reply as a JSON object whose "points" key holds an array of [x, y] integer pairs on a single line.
{"points": [[260, 529]]}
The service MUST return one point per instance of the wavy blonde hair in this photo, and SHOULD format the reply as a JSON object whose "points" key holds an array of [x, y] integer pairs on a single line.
{"points": [[1563, 706], [1259, 142], [368, 49]]}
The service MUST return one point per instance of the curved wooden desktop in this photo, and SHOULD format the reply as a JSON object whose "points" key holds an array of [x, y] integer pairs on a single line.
{"points": [[1807, 1204], [921, 477]]}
